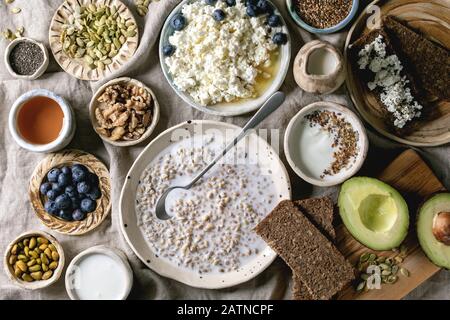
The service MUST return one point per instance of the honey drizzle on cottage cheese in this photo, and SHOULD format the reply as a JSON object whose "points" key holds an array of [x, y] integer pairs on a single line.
{"points": [[221, 61], [211, 228]]}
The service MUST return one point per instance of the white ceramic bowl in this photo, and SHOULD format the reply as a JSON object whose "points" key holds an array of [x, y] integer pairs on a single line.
{"points": [[67, 130], [227, 108], [35, 284], [115, 254], [155, 112], [291, 139], [267, 158], [39, 71]]}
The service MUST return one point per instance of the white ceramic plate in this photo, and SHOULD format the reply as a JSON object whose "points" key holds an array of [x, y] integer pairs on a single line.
{"points": [[267, 157], [227, 108]]}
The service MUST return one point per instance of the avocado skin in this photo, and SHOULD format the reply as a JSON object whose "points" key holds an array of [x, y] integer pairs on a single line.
{"points": [[384, 240], [427, 241]]}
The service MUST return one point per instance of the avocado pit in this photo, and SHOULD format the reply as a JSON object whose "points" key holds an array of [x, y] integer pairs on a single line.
{"points": [[441, 227]]}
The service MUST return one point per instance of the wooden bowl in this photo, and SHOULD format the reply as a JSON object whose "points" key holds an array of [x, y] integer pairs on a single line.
{"points": [[432, 18], [35, 284], [71, 157], [78, 67], [155, 112]]}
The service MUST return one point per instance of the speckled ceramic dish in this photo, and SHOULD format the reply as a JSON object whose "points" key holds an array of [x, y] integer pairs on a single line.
{"points": [[227, 108], [134, 235], [295, 16]]}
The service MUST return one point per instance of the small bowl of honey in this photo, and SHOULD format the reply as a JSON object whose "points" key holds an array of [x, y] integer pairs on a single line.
{"points": [[41, 121]]}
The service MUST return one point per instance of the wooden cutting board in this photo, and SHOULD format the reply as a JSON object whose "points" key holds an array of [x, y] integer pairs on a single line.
{"points": [[412, 177]]}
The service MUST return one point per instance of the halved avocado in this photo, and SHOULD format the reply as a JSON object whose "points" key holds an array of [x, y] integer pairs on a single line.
{"points": [[433, 229], [373, 212]]}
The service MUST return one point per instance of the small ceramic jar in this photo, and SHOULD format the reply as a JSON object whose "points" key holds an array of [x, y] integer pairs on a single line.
{"points": [[39, 71], [319, 67], [68, 125]]}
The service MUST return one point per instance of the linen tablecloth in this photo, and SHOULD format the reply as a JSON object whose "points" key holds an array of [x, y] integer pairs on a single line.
{"points": [[16, 164]]}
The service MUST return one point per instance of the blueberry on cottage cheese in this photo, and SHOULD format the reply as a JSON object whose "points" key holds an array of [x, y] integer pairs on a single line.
{"points": [[168, 50], [83, 187], [279, 38], [45, 187], [63, 201], [78, 215], [178, 22], [274, 20], [230, 3], [218, 15], [264, 6], [210, 2], [252, 10], [88, 205], [53, 174]]}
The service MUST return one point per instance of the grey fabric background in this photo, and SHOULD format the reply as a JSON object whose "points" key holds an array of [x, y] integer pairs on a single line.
{"points": [[16, 164]]}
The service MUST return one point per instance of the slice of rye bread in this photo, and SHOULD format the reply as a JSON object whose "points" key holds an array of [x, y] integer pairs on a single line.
{"points": [[320, 212], [367, 76], [312, 257], [427, 60]]}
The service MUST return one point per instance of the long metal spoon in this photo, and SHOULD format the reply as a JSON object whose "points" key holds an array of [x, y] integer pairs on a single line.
{"points": [[269, 106]]}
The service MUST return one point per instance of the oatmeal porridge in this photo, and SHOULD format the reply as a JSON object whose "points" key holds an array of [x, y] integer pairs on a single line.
{"points": [[211, 228]]}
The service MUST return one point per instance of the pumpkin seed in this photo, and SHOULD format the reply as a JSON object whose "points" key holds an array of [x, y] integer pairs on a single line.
{"points": [[398, 259], [391, 279], [386, 272], [47, 275], [361, 286], [26, 277], [15, 10], [36, 275], [404, 272], [394, 269], [9, 1], [364, 257], [31, 263], [372, 257], [364, 276]]}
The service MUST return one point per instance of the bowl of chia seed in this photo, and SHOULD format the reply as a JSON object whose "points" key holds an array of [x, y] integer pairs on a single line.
{"points": [[26, 58], [322, 17]]}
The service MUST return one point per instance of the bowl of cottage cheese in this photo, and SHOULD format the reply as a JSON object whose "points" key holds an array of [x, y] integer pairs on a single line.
{"points": [[225, 57]]}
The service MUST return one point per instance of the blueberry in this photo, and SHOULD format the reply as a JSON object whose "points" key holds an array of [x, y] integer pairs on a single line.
{"points": [[83, 187], [50, 207], [211, 2], [65, 214], [252, 10], [230, 3], [79, 175], [279, 38], [66, 170], [75, 202], [264, 6], [57, 188], [78, 215], [94, 193], [178, 22], [64, 179], [168, 50], [274, 20], [63, 201], [53, 174], [71, 191], [93, 179], [88, 205], [45, 187], [51, 194], [218, 15]]}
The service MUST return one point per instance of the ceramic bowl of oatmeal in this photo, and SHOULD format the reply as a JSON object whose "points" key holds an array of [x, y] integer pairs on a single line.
{"points": [[325, 143], [225, 58], [209, 242]]}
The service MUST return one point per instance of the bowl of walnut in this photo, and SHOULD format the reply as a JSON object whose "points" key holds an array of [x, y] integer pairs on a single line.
{"points": [[124, 112]]}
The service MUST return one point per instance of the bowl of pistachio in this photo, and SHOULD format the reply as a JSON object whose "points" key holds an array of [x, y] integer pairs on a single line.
{"points": [[34, 260], [90, 40]]}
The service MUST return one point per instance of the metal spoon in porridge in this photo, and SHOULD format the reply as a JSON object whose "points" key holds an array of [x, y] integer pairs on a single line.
{"points": [[268, 107]]}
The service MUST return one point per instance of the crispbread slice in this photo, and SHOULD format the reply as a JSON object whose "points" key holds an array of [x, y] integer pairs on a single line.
{"points": [[310, 255], [320, 212]]}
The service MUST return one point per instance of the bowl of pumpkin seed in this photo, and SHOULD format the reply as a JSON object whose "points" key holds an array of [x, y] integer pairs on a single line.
{"points": [[91, 39], [34, 260]]}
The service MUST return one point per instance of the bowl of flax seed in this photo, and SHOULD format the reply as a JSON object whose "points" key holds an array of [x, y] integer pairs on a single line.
{"points": [[326, 16]]}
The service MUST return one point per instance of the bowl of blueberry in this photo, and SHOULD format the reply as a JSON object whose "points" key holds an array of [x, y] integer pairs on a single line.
{"points": [[70, 191], [225, 57]]}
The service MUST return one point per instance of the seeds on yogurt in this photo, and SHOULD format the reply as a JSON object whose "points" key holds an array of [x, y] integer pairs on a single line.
{"points": [[211, 228]]}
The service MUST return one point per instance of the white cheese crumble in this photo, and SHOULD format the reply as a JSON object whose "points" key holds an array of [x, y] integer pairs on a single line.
{"points": [[395, 93], [219, 61]]}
